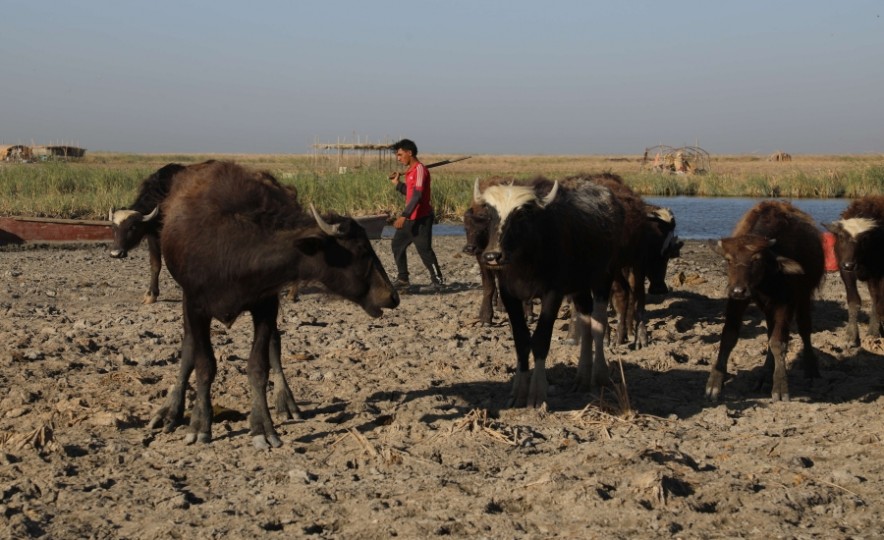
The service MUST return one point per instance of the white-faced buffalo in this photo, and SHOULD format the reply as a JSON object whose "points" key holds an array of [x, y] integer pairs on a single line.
{"points": [[233, 239], [859, 248], [774, 258], [476, 221], [143, 219], [563, 243]]}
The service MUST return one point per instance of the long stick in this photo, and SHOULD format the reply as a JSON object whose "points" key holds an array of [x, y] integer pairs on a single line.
{"points": [[447, 161]]}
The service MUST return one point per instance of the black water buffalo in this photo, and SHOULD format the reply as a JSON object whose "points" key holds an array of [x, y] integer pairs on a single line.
{"points": [[563, 243], [232, 239], [476, 221], [659, 244], [143, 219], [859, 248], [774, 258]]}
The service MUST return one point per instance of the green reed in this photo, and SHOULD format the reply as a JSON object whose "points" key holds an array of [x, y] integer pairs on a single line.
{"points": [[87, 189]]}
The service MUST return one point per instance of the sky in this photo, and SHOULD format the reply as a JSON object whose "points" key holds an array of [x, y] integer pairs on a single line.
{"points": [[471, 77]]}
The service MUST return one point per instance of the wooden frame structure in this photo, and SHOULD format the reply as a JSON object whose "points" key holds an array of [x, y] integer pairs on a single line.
{"points": [[345, 155]]}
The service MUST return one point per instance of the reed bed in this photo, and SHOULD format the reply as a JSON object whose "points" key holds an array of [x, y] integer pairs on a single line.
{"points": [[89, 187]]}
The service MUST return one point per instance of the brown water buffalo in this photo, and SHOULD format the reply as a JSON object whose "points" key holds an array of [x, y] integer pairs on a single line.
{"points": [[774, 258], [232, 239], [859, 248]]}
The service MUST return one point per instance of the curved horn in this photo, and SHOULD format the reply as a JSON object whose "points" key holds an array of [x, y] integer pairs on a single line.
{"points": [[154, 213], [477, 194], [552, 195], [331, 230]]}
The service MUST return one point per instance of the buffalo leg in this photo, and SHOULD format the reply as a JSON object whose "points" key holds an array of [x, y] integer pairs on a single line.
{"points": [[636, 315], [156, 264], [540, 342], [876, 310], [522, 342], [573, 337], [285, 400], [853, 304], [199, 324], [621, 297], [592, 368], [768, 368], [805, 328], [264, 319], [779, 338], [171, 414], [729, 335], [489, 294]]}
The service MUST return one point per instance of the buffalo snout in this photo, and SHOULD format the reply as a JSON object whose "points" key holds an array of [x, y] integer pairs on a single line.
{"points": [[738, 293], [492, 258]]}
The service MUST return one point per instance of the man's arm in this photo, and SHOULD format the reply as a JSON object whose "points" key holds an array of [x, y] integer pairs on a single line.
{"points": [[412, 202]]}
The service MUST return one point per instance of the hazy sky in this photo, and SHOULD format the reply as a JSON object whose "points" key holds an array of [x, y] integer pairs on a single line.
{"points": [[478, 77]]}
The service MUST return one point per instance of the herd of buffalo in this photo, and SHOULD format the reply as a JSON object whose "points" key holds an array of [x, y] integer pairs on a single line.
{"points": [[234, 238]]}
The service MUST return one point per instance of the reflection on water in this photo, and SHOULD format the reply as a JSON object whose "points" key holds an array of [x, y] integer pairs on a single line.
{"points": [[700, 218]]}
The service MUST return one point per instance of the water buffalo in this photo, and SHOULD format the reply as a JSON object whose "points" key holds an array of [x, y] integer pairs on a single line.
{"points": [[859, 248], [547, 247], [774, 258], [232, 239]]}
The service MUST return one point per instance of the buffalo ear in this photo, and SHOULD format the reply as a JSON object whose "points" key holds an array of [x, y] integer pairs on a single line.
{"points": [[789, 266], [309, 245]]}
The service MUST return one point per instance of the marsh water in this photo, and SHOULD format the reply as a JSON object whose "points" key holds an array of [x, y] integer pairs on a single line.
{"points": [[700, 218]]}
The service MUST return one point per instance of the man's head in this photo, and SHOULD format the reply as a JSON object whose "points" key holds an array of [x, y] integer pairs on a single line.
{"points": [[405, 150]]}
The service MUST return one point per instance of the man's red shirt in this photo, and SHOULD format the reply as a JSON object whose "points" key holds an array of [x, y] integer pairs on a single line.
{"points": [[418, 178]]}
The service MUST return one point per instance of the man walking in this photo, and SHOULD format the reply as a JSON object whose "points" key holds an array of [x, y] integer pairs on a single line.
{"points": [[415, 224]]}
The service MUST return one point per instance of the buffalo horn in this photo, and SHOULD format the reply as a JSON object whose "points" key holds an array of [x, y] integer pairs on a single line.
{"points": [[477, 194], [552, 195], [154, 213], [331, 230]]}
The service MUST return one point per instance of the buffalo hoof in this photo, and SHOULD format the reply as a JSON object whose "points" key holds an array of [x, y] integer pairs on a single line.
{"points": [[149, 299], [285, 404], [167, 419], [519, 397], [200, 437], [779, 396], [261, 442], [713, 385]]}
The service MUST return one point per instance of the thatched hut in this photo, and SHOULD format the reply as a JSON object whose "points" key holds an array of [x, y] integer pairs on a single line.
{"points": [[779, 155]]}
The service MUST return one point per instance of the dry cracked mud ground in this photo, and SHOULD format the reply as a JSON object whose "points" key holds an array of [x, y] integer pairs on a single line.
{"points": [[405, 431]]}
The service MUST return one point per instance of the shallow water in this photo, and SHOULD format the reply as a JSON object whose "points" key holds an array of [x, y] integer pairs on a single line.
{"points": [[700, 218]]}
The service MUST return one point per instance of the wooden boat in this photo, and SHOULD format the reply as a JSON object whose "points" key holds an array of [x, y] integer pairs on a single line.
{"points": [[21, 230], [374, 225]]}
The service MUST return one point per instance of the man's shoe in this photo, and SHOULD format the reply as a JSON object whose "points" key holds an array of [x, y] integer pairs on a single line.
{"points": [[401, 283]]}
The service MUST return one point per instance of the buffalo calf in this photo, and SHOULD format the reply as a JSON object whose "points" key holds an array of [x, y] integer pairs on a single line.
{"points": [[774, 258], [859, 248]]}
